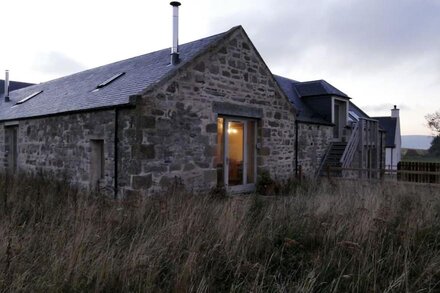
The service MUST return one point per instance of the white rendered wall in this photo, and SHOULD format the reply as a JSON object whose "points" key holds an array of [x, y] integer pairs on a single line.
{"points": [[397, 139]]}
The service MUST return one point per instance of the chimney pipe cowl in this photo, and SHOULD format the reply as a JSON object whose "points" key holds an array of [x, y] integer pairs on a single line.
{"points": [[7, 86], [175, 43], [395, 112]]}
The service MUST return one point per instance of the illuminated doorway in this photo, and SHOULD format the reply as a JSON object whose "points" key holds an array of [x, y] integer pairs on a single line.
{"points": [[236, 153]]}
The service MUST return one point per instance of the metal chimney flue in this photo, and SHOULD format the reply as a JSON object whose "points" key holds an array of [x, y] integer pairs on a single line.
{"points": [[175, 46], [7, 86], [395, 112]]}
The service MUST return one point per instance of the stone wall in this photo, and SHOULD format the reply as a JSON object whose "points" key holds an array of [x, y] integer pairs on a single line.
{"points": [[173, 133], [313, 143], [60, 145]]}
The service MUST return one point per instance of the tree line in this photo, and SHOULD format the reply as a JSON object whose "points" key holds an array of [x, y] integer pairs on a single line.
{"points": [[433, 121]]}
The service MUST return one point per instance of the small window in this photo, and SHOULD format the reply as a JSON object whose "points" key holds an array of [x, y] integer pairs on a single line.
{"points": [[28, 97], [108, 81], [96, 161], [11, 148]]}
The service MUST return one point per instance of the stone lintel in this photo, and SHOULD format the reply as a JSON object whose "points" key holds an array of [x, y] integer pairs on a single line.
{"points": [[230, 109], [11, 123]]}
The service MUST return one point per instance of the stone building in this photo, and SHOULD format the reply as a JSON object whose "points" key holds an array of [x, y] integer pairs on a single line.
{"points": [[328, 132], [217, 116], [393, 145], [212, 115]]}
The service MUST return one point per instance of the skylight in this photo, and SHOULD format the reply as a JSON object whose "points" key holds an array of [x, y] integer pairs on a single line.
{"points": [[110, 80], [28, 98], [353, 116]]}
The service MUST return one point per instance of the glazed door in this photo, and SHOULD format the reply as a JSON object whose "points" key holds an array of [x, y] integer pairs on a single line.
{"points": [[235, 156], [239, 154]]}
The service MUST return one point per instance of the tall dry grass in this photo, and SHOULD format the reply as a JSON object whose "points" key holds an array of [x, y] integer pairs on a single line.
{"points": [[347, 237]]}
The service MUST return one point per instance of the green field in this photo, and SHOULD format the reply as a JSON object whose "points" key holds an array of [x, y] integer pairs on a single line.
{"points": [[416, 155]]}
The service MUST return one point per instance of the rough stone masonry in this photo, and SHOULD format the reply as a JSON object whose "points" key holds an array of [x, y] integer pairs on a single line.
{"points": [[174, 129], [171, 132]]}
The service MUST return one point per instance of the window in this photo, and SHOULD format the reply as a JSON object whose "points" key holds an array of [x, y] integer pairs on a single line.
{"points": [[96, 161], [108, 81], [28, 98], [11, 149], [352, 116]]}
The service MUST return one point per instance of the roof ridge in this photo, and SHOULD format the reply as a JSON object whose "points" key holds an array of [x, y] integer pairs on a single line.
{"points": [[332, 86], [2, 80], [76, 92], [286, 78], [127, 59], [310, 81], [327, 88]]}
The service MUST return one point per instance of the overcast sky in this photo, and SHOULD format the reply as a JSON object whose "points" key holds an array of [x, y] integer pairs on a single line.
{"points": [[379, 52]]}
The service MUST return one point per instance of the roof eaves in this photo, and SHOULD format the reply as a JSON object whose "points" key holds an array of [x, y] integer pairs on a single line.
{"points": [[92, 109]]}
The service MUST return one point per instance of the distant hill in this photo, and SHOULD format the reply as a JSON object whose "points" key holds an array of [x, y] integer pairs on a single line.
{"points": [[422, 142]]}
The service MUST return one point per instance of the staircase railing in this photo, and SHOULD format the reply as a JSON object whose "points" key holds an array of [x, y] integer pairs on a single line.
{"points": [[323, 160], [352, 145]]}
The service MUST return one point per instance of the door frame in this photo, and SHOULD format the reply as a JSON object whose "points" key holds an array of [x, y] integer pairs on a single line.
{"points": [[12, 155], [342, 119], [245, 187]]}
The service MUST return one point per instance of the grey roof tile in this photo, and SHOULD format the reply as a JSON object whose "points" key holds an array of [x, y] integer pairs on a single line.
{"points": [[358, 111], [75, 92], [313, 88], [305, 113], [318, 88], [13, 85], [389, 124]]}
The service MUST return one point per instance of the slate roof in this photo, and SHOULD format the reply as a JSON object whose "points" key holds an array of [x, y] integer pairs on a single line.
{"points": [[76, 92], [318, 88], [13, 85], [305, 113], [358, 111], [389, 124]]}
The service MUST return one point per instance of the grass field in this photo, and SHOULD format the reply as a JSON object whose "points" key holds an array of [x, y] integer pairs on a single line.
{"points": [[416, 155], [327, 237]]}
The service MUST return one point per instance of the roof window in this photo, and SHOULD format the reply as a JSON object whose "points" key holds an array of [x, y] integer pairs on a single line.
{"points": [[353, 116], [108, 81], [28, 98]]}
